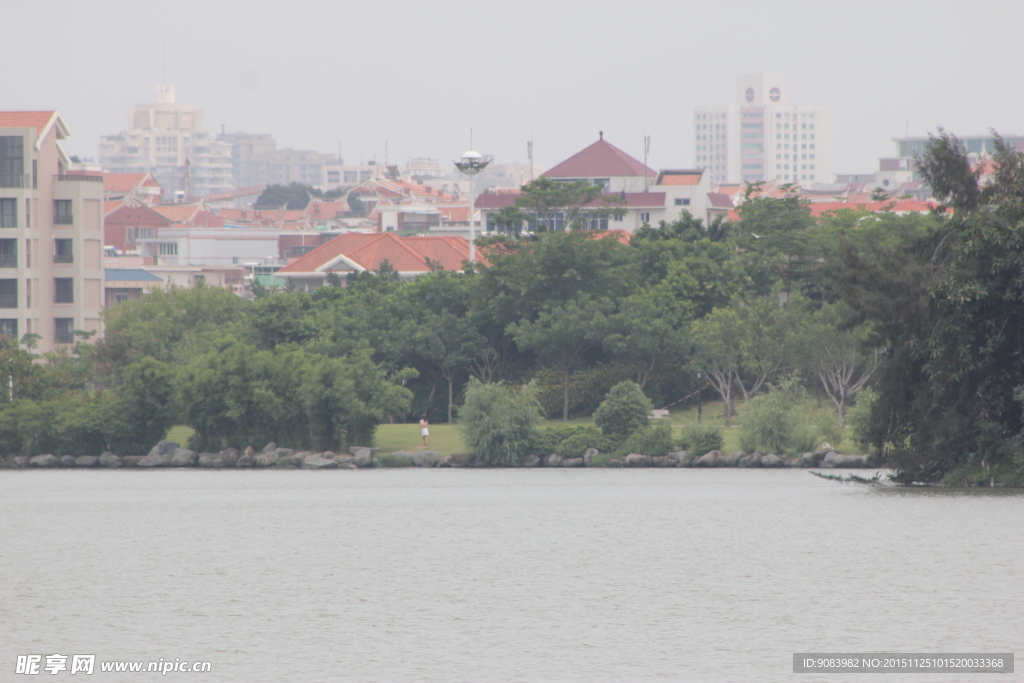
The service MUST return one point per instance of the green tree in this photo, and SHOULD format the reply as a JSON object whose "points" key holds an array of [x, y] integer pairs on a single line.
{"points": [[295, 196], [625, 410], [562, 335], [549, 205], [499, 422]]}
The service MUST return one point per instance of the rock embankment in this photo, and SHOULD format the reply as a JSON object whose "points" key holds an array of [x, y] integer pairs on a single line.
{"points": [[168, 454]]}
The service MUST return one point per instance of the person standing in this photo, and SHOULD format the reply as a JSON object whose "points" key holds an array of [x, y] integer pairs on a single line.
{"points": [[424, 431]]}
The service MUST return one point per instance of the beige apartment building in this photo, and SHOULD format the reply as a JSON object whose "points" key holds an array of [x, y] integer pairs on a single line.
{"points": [[51, 234]]}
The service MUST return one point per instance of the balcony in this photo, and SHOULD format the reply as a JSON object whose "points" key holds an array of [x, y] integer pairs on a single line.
{"points": [[15, 181], [57, 258], [79, 178], [63, 220]]}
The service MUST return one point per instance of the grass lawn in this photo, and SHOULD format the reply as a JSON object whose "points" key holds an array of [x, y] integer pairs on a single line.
{"points": [[446, 439]]}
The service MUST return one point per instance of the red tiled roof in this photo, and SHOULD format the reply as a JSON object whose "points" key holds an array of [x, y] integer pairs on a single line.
{"points": [[40, 120], [897, 206], [125, 182], [111, 206], [177, 213], [490, 200], [454, 214], [620, 236], [719, 200], [600, 160], [405, 255], [679, 178]]}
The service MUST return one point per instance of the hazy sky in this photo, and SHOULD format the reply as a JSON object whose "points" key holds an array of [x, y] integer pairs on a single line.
{"points": [[421, 74]]}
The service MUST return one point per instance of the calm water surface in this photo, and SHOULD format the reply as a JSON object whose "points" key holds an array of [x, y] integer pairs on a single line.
{"points": [[500, 575]]}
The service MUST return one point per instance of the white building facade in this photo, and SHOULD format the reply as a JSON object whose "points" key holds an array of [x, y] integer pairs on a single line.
{"points": [[166, 138], [764, 136]]}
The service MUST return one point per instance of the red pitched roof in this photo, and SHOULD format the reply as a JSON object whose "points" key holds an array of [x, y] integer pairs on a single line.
{"points": [[177, 213], [719, 200], [679, 177], [897, 206], [369, 250], [124, 182], [490, 200], [40, 120], [600, 160]]}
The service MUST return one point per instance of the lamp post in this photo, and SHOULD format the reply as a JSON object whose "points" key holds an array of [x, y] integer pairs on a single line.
{"points": [[472, 163]]}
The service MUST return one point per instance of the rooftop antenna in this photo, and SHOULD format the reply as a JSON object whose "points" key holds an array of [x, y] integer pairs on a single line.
{"points": [[647, 151], [529, 155]]}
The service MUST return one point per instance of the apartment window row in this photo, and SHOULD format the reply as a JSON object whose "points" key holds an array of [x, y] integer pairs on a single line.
{"points": [[62, 252], [62, 213]]}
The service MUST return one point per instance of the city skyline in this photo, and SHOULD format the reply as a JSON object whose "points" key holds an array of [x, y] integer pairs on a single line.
{"points": [[415, 81]]}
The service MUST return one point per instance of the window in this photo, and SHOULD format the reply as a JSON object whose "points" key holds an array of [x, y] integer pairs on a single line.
{"points": [[8, 213], [63, 290], [28, 212], [168, 248], [12, 161], [62, 212], [28, 253], [122, 294], [145, 233], [8, 253], [62, 251], [8, 293], [645, 217], [64, 330], [28, 293], [9, 328]]}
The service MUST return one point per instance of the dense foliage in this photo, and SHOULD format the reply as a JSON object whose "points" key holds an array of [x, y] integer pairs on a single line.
{"points": [[499, 421], [922, 311]]}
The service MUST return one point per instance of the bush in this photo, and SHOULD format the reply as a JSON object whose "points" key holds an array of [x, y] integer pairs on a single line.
{"points": [[546, 439], [859, 417], [623, 411], [655, 440], [585, 437], [499, 422], [770, 422], [587, 388], [395, 460], [700, 439]]}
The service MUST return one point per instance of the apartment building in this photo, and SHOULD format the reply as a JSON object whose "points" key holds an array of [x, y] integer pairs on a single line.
{"points": [[764, 136], [167, 139], [51, 234]]}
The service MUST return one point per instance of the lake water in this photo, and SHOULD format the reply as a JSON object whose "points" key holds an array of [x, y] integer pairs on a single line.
{"points": [[500, 575]]}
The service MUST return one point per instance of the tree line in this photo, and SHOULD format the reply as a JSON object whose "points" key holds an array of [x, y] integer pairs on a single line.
{"points": [[921, 308]]}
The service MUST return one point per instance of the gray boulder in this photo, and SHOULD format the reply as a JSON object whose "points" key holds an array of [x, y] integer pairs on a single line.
{"points": [[231, 456], [183, 457], [284, 452], [833, 459], [342, 459], [289, 461], [709, 459], [131, 460], [86, 461], [267, 458], [67, 461], [664, 461], [615, 462], [211, 460], [45, 460], [638, 460], [346, 466], [21, 461], [319, 462], [589, 455], [682, 458], [109, 460], [553, 460], [160, 455], [732, 459], [362, 457], [750, 460], [269, 448], [247, 460], [772, 460], [531, 461], [372, 449], [425, 458], [572, 462]]}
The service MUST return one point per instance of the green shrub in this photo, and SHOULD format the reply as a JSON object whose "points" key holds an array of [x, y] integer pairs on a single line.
{"points": [[701, 439], [585, 437], [859, 417], [395, 460], [829, 428], [771, 422], [623, 411], [587, 388], [546, 439], [499, 421], [654, 440]]}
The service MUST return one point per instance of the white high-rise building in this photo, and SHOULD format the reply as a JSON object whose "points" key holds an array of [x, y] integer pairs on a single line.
{"points": [[167, 139], [763, 136]]}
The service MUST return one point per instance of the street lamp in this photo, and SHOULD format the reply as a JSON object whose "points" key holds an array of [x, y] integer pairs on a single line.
{"points": [[471, 164]]}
